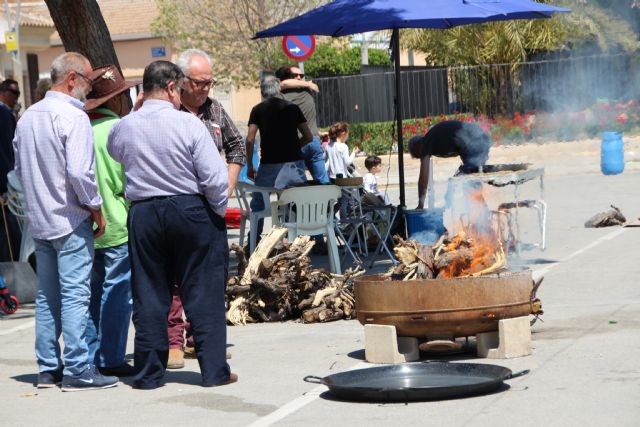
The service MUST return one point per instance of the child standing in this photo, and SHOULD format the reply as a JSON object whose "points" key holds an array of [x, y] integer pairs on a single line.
{"points": [[337, 158], [370, 182]]}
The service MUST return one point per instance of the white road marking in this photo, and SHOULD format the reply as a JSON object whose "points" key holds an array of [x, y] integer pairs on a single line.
{"points": [[295, 404], [606, 237], [19, 328]]}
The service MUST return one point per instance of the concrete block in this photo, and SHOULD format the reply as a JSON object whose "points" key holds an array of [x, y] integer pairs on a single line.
{"points": [[513, 339], [382, 345]]}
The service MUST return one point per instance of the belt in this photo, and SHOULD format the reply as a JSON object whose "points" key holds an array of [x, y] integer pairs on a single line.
{"points": [[135, 202]]}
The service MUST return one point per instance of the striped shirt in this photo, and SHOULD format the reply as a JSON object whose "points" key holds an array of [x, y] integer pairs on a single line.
{"points": [[167, 152], [55, 163]]}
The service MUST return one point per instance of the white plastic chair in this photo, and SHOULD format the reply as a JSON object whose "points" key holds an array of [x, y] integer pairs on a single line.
{"points": [[243, 192], [309, 211], [18, 207]]}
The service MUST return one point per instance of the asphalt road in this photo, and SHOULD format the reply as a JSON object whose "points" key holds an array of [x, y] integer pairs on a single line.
{"points": [[584, 367]]}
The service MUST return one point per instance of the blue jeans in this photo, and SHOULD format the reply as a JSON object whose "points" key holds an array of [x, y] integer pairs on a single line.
{"points": [[110, 307], [62, 302], [313, 156]]}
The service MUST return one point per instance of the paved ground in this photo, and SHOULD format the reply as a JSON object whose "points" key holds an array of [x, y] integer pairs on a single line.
{"points": [[584, 369]]}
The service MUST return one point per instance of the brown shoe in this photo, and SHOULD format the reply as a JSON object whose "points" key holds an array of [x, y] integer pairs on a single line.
{"points": [[176, 359], [233, 378], [190, 352]]}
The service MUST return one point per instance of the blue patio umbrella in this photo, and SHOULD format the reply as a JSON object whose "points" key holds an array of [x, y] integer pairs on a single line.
{"points": [[344, 17]]}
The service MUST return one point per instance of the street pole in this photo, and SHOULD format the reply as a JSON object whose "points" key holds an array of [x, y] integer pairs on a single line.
{"points": [[301, 66], [396, 60], [17, 64], [364, 50]]}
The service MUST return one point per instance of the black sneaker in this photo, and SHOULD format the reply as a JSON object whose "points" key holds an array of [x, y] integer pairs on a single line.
{"points": [[90, 379], [49, 379], [124, 370]]}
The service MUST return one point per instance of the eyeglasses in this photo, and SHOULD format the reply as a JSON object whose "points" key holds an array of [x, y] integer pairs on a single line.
{"points": [[87, 79], [298, 75], [201, 84], [16, 92]]}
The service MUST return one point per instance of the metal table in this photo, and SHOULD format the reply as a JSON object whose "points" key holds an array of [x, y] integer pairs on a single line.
{"points": [[511, 209]]}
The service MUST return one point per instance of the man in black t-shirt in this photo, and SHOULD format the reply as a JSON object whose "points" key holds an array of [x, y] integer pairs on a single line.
{"points": [[449, 139], [280, 148]]}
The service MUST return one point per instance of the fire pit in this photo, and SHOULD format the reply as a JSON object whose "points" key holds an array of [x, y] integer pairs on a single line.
{"points": [[458, 307]]}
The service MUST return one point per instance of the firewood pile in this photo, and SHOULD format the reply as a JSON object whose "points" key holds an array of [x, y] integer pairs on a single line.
{"points": [[460, 256], [277, 283]]}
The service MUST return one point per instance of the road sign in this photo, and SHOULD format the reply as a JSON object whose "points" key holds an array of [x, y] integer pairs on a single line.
{"points": [[11, 41], [298, 47]]}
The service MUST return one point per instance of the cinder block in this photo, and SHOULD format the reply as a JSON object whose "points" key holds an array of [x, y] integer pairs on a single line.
{"points": [[513, 339], [382, 345]]}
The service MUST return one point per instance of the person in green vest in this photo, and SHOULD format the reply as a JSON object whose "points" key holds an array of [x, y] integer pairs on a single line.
{"points": [[110, 306]]}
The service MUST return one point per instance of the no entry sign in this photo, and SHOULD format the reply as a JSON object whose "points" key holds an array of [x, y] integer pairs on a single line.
{"points": [[298, 47]]}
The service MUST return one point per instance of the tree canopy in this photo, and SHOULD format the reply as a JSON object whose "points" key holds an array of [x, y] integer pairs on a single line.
{"points": [[223, 29], [588, 28]]}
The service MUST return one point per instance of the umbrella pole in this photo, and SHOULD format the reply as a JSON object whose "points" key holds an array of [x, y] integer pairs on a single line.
{"points": [[396, 59]]}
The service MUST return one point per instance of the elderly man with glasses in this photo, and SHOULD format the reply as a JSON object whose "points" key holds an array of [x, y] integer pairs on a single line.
{"points": [[177, 184], [55, 163], [194, 96]]}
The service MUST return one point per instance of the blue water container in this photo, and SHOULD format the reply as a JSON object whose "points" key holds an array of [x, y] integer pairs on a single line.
{"points": [[612, 153], [424, 225]]}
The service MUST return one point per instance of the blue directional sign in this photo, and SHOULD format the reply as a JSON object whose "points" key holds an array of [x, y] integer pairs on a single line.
{"points": [[298, 47]]}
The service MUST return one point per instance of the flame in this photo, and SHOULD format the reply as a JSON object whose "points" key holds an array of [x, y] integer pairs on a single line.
{"points": [[476, 248]]}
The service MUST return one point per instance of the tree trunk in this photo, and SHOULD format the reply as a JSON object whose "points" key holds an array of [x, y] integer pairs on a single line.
{"points": [[82, 29]]}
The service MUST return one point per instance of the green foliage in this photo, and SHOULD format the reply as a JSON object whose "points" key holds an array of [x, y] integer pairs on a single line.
{"points": [[331, 60], [223, 29], [515, 41]]}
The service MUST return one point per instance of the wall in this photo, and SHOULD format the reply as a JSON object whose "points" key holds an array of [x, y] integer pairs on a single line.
{"points": [[133, 56]]}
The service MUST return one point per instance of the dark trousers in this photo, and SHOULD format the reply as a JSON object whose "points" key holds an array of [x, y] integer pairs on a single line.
{"points": [[178, 239]]}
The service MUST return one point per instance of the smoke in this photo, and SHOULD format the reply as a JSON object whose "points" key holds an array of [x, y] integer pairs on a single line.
{"points": [[475, 144], [576, 83]]}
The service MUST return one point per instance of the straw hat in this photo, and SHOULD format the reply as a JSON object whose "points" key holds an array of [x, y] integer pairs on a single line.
{"points": [[108, 83]]}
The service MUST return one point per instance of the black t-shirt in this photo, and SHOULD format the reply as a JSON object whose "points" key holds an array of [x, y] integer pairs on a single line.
{"points": [[455, 138], [278, 122], [7, 131]]}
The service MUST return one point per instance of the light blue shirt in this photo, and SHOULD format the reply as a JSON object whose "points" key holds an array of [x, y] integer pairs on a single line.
{"points": [[55, 164], [167, 152]]}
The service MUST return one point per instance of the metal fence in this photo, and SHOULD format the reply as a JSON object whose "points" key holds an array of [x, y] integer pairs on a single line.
{"points": [[503, 89]]}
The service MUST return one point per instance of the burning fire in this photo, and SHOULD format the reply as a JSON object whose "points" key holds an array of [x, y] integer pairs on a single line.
{"points": [[476, 249]]}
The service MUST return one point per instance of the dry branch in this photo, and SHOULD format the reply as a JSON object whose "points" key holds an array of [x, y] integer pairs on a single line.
{"points": [[279, 284]]}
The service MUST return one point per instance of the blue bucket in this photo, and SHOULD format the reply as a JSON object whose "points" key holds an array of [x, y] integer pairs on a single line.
{"points": [[425, 225], [612, 153]]}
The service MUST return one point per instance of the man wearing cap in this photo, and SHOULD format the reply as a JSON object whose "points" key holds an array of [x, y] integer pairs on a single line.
{"points": [[177, 184], [55, 164], [449, 139], [110, 307], [194, 96]]}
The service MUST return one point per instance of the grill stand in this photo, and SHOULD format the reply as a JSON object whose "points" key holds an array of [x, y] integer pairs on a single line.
{"points": [[512, 339]]}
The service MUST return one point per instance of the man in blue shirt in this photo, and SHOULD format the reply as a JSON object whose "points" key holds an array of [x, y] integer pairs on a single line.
{"points": [[177, 184]]}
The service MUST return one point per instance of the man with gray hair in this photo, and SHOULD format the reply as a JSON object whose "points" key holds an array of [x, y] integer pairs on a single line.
{"points": [[55, 163], [194, 96], [278, 121], [177, 185]]}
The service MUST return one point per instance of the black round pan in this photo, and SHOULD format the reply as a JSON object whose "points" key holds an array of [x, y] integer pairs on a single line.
{"points": [[416, 381]]}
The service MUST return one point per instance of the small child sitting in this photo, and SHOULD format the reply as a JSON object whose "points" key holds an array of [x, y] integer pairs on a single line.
{"points": [[370, 183]]}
